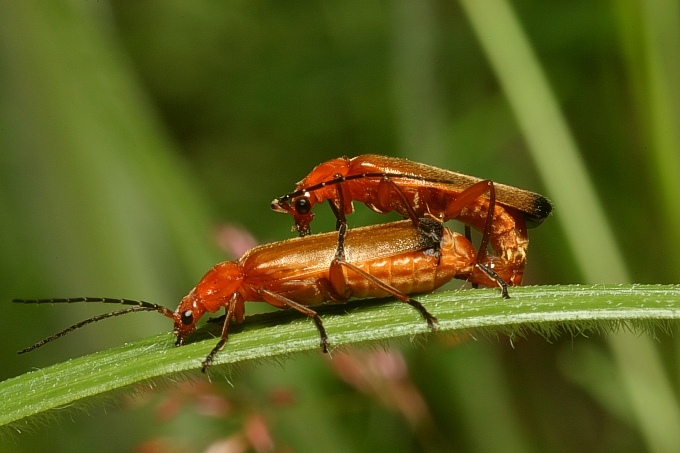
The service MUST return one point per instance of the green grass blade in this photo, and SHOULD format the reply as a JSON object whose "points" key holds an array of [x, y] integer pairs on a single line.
{"points": [[549, 139], [546, 309], [578, 208]]}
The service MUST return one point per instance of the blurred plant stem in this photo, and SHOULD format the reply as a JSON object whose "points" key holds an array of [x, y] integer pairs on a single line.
{"points": [[576, 202]]}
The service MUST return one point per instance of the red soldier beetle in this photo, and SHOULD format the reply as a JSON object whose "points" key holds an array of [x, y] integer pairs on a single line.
{"points": [[416, 190], [390, 259]]}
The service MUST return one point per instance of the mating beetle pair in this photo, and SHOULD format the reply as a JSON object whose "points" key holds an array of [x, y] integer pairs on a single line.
{"points": [[399, 258]]}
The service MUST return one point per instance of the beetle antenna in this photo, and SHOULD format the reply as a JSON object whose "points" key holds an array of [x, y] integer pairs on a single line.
{"points": [[84, 323], [106, 300], [140, 305]]}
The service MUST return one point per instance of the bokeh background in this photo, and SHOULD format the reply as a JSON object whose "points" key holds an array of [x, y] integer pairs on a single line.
{"points": [[140, 141]]}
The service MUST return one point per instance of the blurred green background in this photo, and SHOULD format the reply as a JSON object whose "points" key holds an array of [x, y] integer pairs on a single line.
{"points": [[131, 133]]}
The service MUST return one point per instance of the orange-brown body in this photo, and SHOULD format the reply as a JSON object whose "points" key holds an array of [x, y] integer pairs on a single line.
{"points": [[299, 270], [429, 192], [395, 259]]}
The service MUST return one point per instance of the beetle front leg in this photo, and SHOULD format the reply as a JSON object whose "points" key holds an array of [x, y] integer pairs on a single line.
{"points": [[231, 309]]}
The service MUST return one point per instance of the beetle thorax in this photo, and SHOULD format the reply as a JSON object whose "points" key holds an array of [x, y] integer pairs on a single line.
{"points": [[215, 289]]}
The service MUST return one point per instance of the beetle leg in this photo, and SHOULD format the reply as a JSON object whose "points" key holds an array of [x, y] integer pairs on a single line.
{"points": [[343, 203], [335, 274], [231, 309], [278, 299], [465, 198], [340, 219], [431, 320], [385, 187], [337, 212], [495, 277]]}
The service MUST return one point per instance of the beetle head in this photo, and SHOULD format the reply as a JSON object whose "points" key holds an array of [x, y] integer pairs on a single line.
{"points": [[187, 315], [219, 288], [298, 204]]}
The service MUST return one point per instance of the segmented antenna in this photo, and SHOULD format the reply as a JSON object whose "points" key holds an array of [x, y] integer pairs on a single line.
{"points": [[140, 306]]}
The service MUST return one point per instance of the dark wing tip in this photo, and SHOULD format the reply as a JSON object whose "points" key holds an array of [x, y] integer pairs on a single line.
{"points": [[541, 210]]}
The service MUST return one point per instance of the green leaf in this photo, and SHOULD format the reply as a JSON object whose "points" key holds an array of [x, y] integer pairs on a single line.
{"points": [[545, 309]]}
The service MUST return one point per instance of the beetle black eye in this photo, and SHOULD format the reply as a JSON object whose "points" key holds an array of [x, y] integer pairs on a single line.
{"points": [[302, 206], [187, 318]]}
